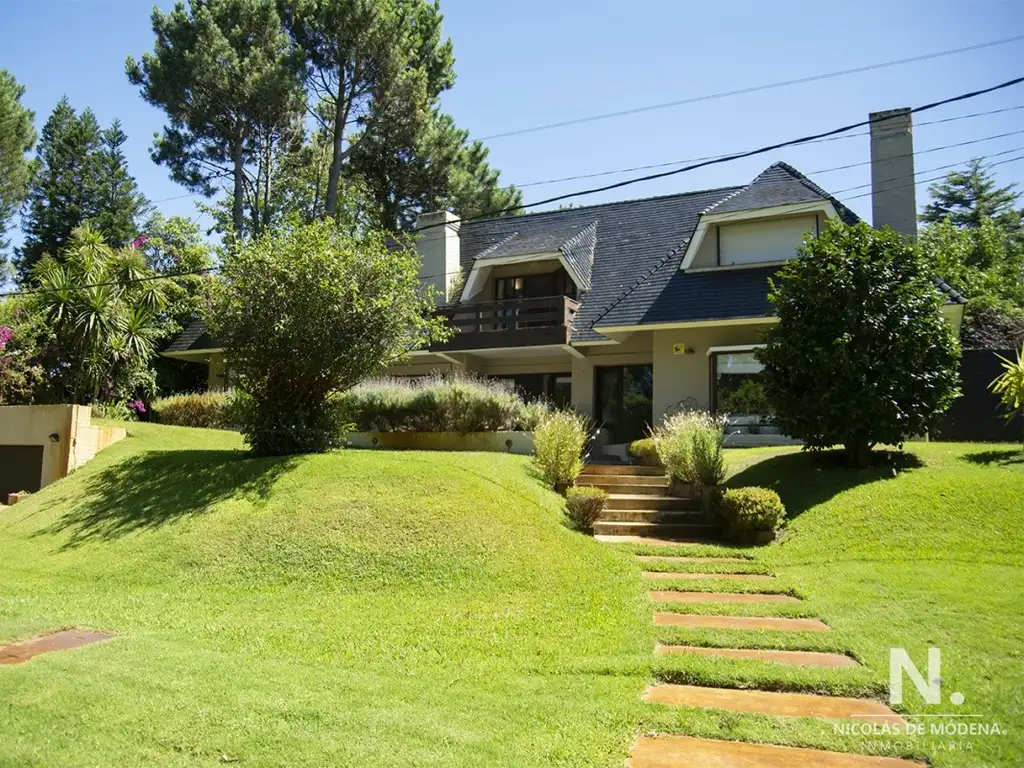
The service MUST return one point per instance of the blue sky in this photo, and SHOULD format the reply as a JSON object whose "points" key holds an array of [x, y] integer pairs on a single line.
{"points": [[532, 62]]}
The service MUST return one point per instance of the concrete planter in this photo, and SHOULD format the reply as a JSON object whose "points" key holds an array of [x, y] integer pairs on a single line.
{"points": [[494, 442]]}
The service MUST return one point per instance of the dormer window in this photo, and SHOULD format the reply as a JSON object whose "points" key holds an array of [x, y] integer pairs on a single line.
{"points": [[763, 241]]}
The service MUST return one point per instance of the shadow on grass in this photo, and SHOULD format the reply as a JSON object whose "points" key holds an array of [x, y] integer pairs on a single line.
{"points": [[1004, 457], [804, 480], [146, 492]]}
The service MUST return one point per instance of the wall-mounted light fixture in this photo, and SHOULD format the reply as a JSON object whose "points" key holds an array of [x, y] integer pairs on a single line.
{"points": [[54, 438]]}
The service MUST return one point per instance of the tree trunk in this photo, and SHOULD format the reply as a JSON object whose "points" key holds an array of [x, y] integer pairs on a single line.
{"points": [[340, 116], [858, 453], [237, 205]]}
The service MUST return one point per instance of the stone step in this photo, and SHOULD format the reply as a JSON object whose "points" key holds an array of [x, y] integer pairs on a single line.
{"points": [[718, 597], [622, 469], [682, 559], [668, 575], [739, 622], [792, 658], [688, 752], [656, 531], [636, 489], [647, 501], [614, 481], [651, 541], [772, 703], [654, 516]]}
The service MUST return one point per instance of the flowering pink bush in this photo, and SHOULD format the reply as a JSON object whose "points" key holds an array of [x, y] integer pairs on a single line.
{"points": [[137, 406], [6, 334]]}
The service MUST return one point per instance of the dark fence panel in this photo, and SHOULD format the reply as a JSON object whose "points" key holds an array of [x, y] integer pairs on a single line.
{"points": [[976, 415]]}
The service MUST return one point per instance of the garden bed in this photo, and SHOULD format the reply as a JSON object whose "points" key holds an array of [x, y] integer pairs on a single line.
{"points": [[495, 442]]}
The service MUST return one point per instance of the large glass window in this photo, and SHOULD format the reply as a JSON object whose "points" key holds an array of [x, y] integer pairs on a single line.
{"points": [[556, 388], [738, 390], [624, 395]]}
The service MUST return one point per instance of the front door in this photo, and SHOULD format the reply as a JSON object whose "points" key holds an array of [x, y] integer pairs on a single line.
{"points": [[624, 401]]}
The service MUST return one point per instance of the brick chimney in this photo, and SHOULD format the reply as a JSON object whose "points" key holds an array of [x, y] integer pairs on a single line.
{"points": [[438, 247], [893, 196]]}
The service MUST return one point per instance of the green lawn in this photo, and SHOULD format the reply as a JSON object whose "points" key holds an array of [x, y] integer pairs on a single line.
{"points": [[924, 552], [430, 609], [360, 608]]}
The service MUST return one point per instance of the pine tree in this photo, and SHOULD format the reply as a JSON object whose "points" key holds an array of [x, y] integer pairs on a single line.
{"points": [[63, 194], [119, 204], [969, 196], [17, 137]]}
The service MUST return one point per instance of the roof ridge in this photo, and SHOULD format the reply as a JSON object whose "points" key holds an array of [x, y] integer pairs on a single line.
{"points": [[752, 182], [604, 205], [495, 246], [572, 240]]}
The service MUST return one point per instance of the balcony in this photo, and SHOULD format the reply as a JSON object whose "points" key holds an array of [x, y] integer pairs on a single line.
{"points": [[509, 323]]}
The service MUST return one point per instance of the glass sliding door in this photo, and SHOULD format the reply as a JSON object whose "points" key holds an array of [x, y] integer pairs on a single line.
{"points": [[624, 401]]}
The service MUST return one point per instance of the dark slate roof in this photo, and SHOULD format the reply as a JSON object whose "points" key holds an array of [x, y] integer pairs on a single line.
{"points": [[632, 237], [192, 338], [779, 184]]}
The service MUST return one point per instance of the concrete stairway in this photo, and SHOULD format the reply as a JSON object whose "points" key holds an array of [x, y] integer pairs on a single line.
{"points": [[640, 504]]}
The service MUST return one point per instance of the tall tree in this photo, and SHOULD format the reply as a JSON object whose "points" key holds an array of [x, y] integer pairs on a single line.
{"points": [[63, 193], [17, 137], [440, 168], [968, 196], [367, 62], [224, 73], [119, 203]]}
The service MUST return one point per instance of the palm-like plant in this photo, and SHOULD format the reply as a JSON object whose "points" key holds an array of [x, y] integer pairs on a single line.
{"points": [[105, 320], [1009, 385]]}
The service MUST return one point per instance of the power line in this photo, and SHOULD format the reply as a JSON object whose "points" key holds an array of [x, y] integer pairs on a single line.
{"points": [[714, 161], [725, 158], [752, 89], [709, 157]]}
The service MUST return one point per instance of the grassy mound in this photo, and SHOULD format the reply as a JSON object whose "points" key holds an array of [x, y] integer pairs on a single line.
{"points": [[374, 608]]}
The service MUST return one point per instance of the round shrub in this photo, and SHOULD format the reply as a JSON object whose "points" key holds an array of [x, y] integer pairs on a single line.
{"points": [[751, 513], [645, 451], [583, 506]]}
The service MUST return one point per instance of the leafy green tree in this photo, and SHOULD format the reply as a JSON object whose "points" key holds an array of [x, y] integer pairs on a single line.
{"points": [[224, 73], [369, 62], [861, 354], [1009, 386], [105, 316], [440, 169], [119, 204], [967, 197], [63, 194], [17, 137], [23, 336], [308, 311]]}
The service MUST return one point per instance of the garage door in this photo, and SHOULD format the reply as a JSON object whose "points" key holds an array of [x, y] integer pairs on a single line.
{"points": [[21, 468]]}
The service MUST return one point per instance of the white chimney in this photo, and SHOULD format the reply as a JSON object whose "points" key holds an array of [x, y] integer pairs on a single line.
{"points": [[893, 196], [438, 246]]}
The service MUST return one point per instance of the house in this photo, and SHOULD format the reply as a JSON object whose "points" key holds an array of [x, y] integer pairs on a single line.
{"points": [[631, 310]]}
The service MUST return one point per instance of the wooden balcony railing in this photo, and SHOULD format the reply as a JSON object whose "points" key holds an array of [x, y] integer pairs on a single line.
{"points": [[509, 323]]}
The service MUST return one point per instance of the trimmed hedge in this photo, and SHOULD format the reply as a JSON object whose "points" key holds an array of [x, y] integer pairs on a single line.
{"points": [[437, 404], [213, 410], [750, 512], [645, 451]]}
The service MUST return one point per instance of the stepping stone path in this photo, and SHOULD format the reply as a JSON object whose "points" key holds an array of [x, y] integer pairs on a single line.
{"points": [[719, 597], [679, 751], [642, 511], [794, 658], [18, 653], [751, 576]]}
